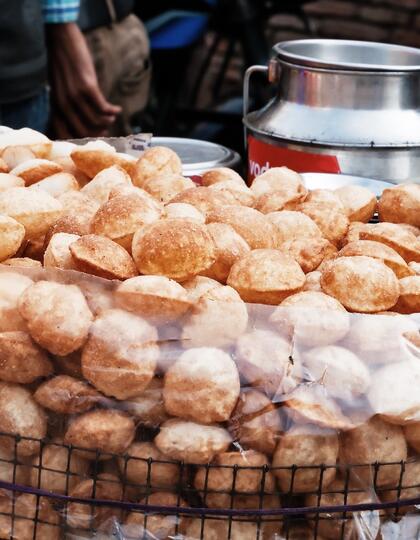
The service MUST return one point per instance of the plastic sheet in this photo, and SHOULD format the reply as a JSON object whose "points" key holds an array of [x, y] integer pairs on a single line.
{"points": [[228, 420]]}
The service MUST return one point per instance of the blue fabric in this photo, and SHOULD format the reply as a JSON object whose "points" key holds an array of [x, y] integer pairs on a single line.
{"points": [[60, 11], [179, 31], [32, 113]]}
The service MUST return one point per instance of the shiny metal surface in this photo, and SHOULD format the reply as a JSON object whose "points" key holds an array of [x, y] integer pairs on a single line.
{"points": [[359, 101], [334, 181], [199, 156]]}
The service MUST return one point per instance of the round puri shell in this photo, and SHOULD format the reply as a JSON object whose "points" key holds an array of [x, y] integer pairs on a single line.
{"points": [[220, 174], [102, 257], [305, 445], [120, 356], [190, 442], [276, 178], [165, 187], [331, 220], [120, 217], [217, 319], [15, 155], [183, 211], [409, 300], [371, 442], [245, 481], [266, 276], [105, 430], [359, 203], [57, 184], [400, 204], [409, 488], [286, 198], [309, 252], [148, 407], [412, 434], [57, 254], [156, 525], [176, 248], [8, 181], [100, 187], [202, 385], [21, 360], [66, 469], [28, 517], [35, 170], [239, 193], [57, 316], [395, 236], [12, 234], [380, 339], [34, 209], [96, 156], [156, 161], [333, 526], [324, 196], [137, 469], [156, 298], [20, 415], [203, 199], [313, 281], [255, 423], [12, 285], [65, 395], [262, 358], [343, 374], [379, 251], [230, 247], [198, 286], [255, 228], [76, 202], [313, 318], [22, 262], [291, 225], [361, 284], [394, 392]]}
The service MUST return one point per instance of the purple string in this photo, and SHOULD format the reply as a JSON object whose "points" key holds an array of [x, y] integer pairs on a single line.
{"points": [[174, 510]]}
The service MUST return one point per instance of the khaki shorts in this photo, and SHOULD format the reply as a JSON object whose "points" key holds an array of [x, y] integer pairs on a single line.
{"points": [[121, 53]]}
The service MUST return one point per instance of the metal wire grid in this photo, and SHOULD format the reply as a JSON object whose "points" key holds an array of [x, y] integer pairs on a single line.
{"points": [[191, 503]]}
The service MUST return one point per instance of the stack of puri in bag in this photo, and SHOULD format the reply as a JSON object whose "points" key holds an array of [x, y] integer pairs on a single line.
{"points": [[216, 346]]}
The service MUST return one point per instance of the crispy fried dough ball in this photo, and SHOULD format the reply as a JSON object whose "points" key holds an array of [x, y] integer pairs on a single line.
{"points": [[313, 318], [22, 262], [409, 488], [276, 178], [57, 254], [409, 300], [324, 196], [412, 434], [255, 422], [138, 468], [34, 170], [182, 440], [395, 236], [183, 211], [292, 225], [107, 430], [21, 415], [285, 198], [400, 204], [148, 408], [12, 285], [263, 359], [8, 181], [57, 316], [309, 252], [305, 445], [100, 187], [12, 234], [230, 247], [255, 228], [120, 356], [378, 251], [202, 385], [156, 298], [247, 480], [239, 193], [371, 442], [332, 221], [361, 283], [165, 187], [156, 161], [313, 281], [203, 199], [198, 286], [66, 395], [176, 248], [217, 319], [220, 174], [266, 276], [359, 203]]}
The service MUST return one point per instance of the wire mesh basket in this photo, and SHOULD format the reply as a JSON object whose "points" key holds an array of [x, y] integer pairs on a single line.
{"points": [[125, 497]]}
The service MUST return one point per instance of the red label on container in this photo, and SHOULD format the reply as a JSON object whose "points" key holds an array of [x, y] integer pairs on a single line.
{"points": [[263, 156]]}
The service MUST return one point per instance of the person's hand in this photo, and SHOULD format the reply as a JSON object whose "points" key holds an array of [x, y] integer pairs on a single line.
{"points": [[79, 107]]}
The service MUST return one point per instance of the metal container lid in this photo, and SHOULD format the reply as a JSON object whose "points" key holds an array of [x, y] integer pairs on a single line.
{"points": [[349, 55], [335, 181], [199, 156]]}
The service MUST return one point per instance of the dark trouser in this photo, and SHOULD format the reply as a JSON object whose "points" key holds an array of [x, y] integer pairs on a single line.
{"points": [[31, 112]]}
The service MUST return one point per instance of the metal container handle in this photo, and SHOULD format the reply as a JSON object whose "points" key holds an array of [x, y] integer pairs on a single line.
{"points": [[247, 81]]}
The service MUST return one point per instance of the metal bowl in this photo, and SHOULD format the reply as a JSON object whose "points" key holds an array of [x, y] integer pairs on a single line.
{"points": [[334, 181]]}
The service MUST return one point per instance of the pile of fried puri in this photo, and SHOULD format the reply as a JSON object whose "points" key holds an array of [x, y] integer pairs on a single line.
{"points": [[252, 329]]}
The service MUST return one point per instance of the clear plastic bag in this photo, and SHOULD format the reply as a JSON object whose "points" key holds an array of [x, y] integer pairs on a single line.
{"points": [[228, 420]]}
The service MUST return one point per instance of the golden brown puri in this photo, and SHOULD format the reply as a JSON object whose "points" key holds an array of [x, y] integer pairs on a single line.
{"points": [[205, 200], [276, 178], [395, 236], [359, 203], [156, 161], [220, 174], [100, 187], [409, 300], [57, 184], [34, 170], [175, 248], [12, 234], [266, 276], [361, 283], [331, 220], [400, 204]]}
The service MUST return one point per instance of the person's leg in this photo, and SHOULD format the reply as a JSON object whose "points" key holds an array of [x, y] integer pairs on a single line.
{"points": [[32, 112]]}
